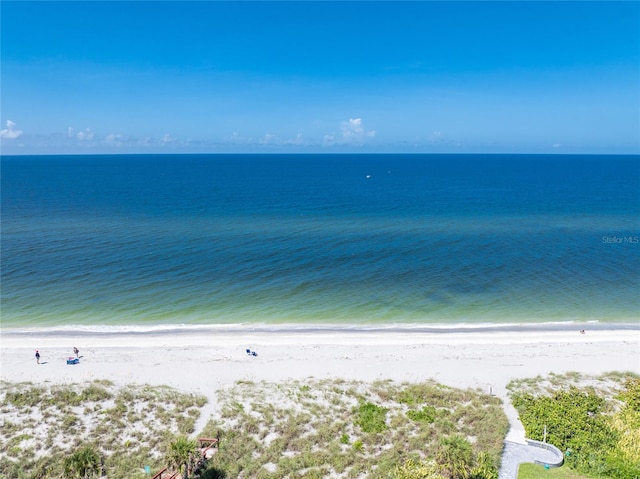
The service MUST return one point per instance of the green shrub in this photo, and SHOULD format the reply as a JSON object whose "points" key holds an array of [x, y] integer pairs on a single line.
{"points": [[83, 463], [631, 394], [427, 414], [599, 442], [455, 457], [413, 469], [371, 418], [485, 468]]}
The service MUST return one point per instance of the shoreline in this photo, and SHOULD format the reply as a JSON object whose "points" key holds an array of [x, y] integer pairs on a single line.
{"points": [[288, 327]]}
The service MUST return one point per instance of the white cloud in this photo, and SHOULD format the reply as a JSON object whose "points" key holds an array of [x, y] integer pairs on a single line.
{"points": [[114, 139], [167, 139], [10, 132], [298, 140], [434, 137], [352, 132], [86, 135], [236, 138], [122, 140], [268, 139], [329, 139]]}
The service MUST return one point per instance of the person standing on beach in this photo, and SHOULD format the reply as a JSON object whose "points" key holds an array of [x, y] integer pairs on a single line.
{"points": [[37, 357], [76, 351]]}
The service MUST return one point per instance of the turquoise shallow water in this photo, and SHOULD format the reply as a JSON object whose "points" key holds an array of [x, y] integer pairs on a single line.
{"points": [[331, 240]]}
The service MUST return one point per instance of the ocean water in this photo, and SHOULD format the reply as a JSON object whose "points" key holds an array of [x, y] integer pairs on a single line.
{"points": [[288, 241]]}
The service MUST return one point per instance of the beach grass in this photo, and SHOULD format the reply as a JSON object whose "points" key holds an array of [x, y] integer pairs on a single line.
{"points": [[607, 384], [130, 426], [317, 428], [335, 428]]}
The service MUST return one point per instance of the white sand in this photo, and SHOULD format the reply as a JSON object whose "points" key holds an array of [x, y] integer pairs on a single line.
{"points": [[208, 361]]}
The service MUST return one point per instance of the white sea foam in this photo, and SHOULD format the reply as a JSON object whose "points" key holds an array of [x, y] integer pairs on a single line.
{"points": [[319, 328]]}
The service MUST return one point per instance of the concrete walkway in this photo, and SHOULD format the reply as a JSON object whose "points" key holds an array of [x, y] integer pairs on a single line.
{"points": [[515, 454], [518, 449]]}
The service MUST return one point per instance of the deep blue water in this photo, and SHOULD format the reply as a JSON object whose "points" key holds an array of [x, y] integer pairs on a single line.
{"points": [[106, 241]]}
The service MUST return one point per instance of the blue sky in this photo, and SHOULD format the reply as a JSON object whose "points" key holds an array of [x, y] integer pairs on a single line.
{"points": [[148, 77]]}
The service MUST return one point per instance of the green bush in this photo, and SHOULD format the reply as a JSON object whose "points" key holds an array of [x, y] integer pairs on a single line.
{"points": [[371, 418], [486, 467], [599, 443], [412, 469], [455, 457], [631, 394], [83, 463], [427, 414]]}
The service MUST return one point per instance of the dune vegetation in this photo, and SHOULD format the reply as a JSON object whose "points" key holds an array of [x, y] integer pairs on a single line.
{"points": [[311, 429], [346, 429], [48, 430]]}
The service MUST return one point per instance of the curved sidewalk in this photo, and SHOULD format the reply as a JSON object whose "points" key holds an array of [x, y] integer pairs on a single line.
{"points": [[515, 454]]}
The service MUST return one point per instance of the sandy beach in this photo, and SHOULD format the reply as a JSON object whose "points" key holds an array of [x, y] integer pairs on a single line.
{"points": [[204, 361], [215, 363]]}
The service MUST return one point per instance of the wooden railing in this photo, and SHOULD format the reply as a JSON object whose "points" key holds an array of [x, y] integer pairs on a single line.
{"points": [[170, 474], [159, 475], [207, 444]]}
